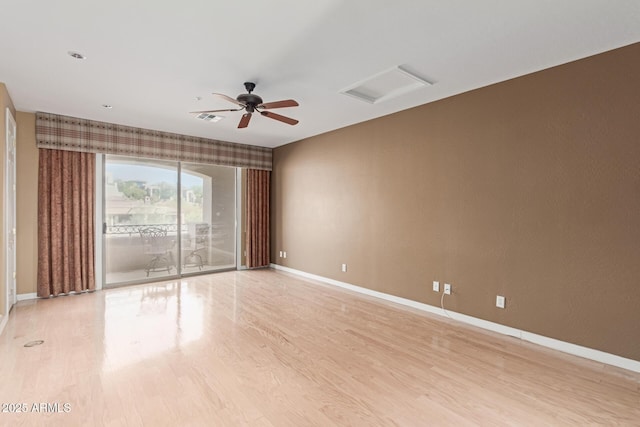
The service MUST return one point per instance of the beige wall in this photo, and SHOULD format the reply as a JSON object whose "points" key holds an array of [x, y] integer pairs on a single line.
{"points": [[5, 102], [529, 189], [27, 204]]}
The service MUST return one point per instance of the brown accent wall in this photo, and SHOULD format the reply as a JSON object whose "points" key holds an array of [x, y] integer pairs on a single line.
{"points": [[27, 204], [529, 189], [5, 102]]}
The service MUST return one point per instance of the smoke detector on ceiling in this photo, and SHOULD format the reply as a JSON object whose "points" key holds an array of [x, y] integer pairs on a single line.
{"points": [[76, 55]]}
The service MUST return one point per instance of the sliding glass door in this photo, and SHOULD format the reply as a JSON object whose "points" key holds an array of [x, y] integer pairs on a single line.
{"points": [[166, 219], [208, 217]]}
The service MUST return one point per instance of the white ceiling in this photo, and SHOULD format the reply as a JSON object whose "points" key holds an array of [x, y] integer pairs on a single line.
{"points": [[150, 59]]}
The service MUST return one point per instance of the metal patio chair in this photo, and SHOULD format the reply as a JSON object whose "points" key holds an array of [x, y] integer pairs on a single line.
{"points": [[158, 246]]}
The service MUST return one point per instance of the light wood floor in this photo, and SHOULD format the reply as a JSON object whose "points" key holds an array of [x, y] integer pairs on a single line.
{"points": [[263, 348]]}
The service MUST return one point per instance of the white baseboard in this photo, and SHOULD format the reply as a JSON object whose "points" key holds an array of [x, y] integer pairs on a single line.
{"points": [[22, 297], [565, 347]]}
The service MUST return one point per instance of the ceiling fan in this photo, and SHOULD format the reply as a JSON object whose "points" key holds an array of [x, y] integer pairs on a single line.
{"points": [[252, 103]]}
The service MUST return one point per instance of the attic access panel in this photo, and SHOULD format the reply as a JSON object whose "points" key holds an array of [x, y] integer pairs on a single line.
{"points": [[386, 85]]}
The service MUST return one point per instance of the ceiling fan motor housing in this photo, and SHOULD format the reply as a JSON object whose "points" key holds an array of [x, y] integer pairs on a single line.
{"points": [[250, 100]]}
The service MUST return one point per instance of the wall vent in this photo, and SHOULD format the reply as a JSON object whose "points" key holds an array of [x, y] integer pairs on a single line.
{"points": [[386, 85]]}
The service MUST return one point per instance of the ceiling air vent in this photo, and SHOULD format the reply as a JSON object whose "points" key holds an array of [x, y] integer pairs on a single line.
{"points": [[386, 85], [209, 117]]}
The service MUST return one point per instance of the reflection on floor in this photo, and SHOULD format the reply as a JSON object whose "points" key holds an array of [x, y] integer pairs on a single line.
{"points": [[139, 275], [263, 348]]}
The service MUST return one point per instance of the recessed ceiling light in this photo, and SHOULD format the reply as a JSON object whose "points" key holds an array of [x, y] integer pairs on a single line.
{"points": [[107, 106], [76, 55]]}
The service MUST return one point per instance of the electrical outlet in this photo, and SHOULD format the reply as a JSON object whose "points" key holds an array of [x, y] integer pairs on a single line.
{"points": [[344, 268], [284, 254], [447, 289], [500, 300], [280, 254], [436, 286]]}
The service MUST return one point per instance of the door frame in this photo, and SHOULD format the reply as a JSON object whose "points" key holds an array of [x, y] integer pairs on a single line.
{"points": [[9, 228]]}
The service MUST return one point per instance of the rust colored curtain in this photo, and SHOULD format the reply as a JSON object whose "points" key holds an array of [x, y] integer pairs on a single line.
{"points": [[65, 222], [258, 184]]}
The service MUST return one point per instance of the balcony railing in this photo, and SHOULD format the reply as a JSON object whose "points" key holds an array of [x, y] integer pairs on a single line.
{"points": [[126, 258], [135, 228]]}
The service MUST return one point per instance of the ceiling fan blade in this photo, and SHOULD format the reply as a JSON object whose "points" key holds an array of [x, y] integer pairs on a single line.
{"points": [[230, 99], [279, 104], [215, 111], [244, 121], [278, 117]]}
